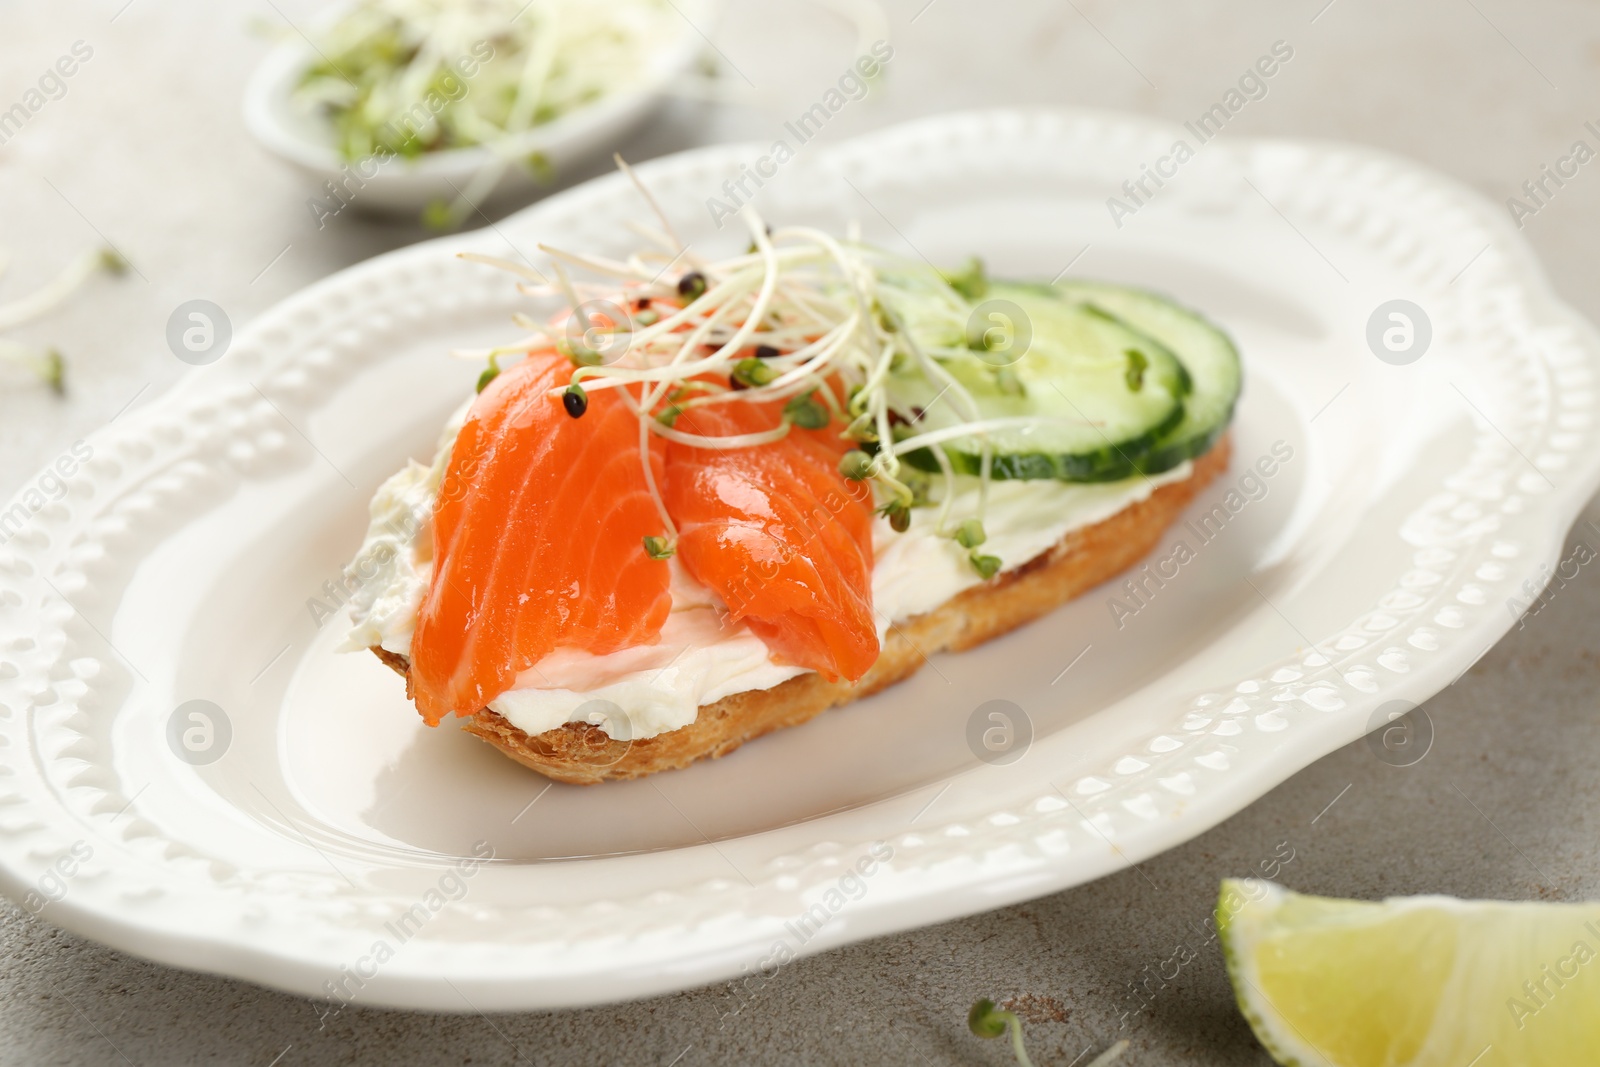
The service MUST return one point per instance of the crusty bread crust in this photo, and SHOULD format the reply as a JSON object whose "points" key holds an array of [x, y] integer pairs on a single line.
{"points": [[582, 754]]}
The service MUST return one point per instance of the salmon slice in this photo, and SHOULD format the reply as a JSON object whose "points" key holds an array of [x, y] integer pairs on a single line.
{"points": [[780, 535], [538, 541]]}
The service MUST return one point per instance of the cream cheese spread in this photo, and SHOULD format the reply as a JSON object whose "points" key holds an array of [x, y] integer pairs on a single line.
{"points": [[701, 656]]}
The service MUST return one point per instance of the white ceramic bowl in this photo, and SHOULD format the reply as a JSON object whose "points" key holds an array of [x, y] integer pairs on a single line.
{"points": [[409, 185]]}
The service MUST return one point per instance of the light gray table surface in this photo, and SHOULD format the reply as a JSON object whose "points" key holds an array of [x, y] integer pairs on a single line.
{"points": [[146, 150]]}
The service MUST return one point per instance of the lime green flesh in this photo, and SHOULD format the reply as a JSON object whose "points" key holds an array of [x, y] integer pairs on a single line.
{"points": [[1414, 982]]}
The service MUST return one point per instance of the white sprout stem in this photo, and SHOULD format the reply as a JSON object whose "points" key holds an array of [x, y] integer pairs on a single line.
{"points": [[677, 367], [978, 428], [649, 198], [739, 440], [535, 72], [769, 282], [802, 377], [825, 348], [945, 504], [699, 336], [598, 264], [650, 482], [649, 471], [687, 314], [880, 370], [20, 352], [522, 346], [1110, 1055], [564, 283], [984, 467], [520, 270], [887, 461], [835, 408], [938, 373], [51, 294], [849, 269], [650, 233], [755, 394]]}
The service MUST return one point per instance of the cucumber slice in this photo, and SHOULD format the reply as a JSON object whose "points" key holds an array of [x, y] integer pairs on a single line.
{"points": [[1115, 390], [1207, 353]]}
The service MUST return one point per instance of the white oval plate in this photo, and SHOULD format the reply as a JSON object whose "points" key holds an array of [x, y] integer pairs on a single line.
{"points": [[323, 851]]}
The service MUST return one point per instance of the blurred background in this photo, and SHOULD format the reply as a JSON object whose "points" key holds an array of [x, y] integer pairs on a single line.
{"points": [[144, 150]]}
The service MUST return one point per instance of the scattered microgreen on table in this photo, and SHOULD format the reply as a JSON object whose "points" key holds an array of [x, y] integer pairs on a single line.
{"points": [[988, 1020], [49, 365]]}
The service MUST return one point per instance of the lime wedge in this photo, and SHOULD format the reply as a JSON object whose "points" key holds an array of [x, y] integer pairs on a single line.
{"points": [[1414, 981]]}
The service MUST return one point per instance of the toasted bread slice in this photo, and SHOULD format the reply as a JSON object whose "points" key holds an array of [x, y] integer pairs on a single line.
{"points": [[582, 754]]}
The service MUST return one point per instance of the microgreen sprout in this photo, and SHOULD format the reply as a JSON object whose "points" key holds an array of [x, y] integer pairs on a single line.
{"points": [[988, 1021], [1010, 383], [807, 412], [575, 400], [860, 429], [583, 356], [969, 535], [54, 372], [856, 465], [659, 548], [692, 286], [1137, 363], [490, 373], [1109, 1055], [50, 366], [438, 214], [919, 484], [971, 281], [538, 164], [752, 372]]}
